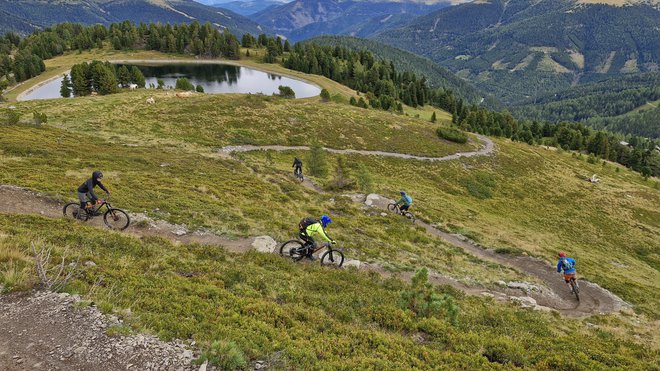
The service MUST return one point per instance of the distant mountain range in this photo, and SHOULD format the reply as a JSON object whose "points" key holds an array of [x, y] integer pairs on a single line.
{"points": [[26, 16], [246, 8], [302, 19], [518, 49]]}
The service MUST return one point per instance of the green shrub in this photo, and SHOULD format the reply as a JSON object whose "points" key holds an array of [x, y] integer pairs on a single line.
{"points": [[39, 118], [199, 89], [364, 179], [325, 95], [12, 117], [224, 354], [452, 134], [504, 352], [591, 159], [423, 299], [183, 83], [286, 92]]}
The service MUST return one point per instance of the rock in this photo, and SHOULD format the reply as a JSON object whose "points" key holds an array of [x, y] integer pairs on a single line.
{"points": [[487, 294], [202, 367], [179, 232], [89, 263], [165, 164], [524, 301], [500, 283], [352, 263], [383, 214], [525, 286], [371, 198], [264, 244]]}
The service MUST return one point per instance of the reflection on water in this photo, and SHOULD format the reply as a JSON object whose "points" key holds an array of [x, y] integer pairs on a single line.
{"points": [[214, 78]]}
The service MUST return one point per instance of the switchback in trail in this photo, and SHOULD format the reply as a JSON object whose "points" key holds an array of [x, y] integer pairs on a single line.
{"points": [[17, 200], [487, 149]]}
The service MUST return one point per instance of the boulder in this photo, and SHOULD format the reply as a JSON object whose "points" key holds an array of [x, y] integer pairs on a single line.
{"points": [[264, 244], [352, 263], [371, 198], [524, 301]]}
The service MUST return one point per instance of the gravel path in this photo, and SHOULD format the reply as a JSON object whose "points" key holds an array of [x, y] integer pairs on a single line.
{"points": [[487, 149]]}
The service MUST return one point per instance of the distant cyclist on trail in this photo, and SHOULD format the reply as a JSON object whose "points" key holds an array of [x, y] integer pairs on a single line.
{"points": [[405, 202], [310, 228], [297, 166], [568, 266], [86, 190]]}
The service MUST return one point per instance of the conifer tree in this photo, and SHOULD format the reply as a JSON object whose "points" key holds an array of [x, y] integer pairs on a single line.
{"points": [[65, 88], [317, 162], [137, 77]]}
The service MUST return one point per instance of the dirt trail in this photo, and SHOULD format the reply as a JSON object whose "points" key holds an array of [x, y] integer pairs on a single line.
{"points": [[595, 300], [486, 150]]}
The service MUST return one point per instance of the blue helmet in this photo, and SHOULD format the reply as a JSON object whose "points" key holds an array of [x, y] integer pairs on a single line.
{"points": [[402, 193], [325, 220]]}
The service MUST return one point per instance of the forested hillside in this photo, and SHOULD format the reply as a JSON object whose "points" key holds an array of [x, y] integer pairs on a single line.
{"points": [[521, 49], [40, 14], [436, 75]]}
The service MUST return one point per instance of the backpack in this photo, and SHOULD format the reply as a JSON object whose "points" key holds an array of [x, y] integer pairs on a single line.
{"points": [[306, 222], [566, 265]]}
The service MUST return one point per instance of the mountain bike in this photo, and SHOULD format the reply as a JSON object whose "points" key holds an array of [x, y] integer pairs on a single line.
{"points": [[113, 218], [394, 207], [297, 172], [296, 250], [574, 286]]}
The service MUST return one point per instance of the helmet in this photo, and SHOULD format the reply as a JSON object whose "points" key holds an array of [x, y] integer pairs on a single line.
{"points": [[402, 193], [562, 254], [325, 220], [97, 175]]}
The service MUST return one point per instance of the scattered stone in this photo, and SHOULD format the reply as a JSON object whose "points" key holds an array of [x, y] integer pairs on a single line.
{"points": [[500, 283], [383, 214], [89, 263], [264, 244], [524, 286], [202, 367], [524, 301], [179, 232], [165, 164], [352, 263], [487, 294]]}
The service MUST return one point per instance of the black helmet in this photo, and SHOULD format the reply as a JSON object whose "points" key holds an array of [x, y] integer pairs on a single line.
{"points": [[97, 175]]}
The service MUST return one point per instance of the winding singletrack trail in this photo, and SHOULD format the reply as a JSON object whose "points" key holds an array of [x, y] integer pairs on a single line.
{"points": [[486, 150]]}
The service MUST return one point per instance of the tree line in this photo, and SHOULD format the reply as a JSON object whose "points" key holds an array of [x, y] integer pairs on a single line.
{"points": [[100, 77]]}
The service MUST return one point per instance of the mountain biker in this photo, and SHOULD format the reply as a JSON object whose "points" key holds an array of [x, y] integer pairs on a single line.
{"points": [[297, 166], [86, 190], [310, 228], [405, 202], [568, 266]]}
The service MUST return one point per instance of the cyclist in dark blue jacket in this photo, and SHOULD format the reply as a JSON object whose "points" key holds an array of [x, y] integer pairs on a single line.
{"points": [[86, 190]]}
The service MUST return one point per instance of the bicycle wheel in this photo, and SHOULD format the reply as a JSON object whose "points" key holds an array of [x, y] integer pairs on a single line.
{"points": [[72, 210], [333, 258], [410, 217], [575, 288], [293, 249], [392, 207], [116, 219]]}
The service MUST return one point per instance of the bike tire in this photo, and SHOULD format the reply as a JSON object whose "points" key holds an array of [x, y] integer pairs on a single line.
{"points": [[575, 289], [410, 217], [333, 258], [72, 211], [116, 219], [391, 207], [292, 249]]}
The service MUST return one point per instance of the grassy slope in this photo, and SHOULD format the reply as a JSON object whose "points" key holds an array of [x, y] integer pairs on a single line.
{"points": [[538, 204]]}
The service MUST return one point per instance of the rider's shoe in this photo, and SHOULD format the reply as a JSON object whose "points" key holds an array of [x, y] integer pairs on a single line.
{"points": [[311, 257]]}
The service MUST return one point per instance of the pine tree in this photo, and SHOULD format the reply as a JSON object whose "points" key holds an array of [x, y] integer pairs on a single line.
{"points": [[65, 89], [433, 118], [325, 95], [364, 179], [123, 76], [137, 77], [107, 81]]}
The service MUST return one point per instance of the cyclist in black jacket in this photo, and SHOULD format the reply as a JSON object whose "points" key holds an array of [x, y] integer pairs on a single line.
{"points": [[86, 190]]}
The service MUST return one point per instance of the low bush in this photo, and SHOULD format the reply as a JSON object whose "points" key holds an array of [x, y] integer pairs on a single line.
{"points": [[452, 134]]}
